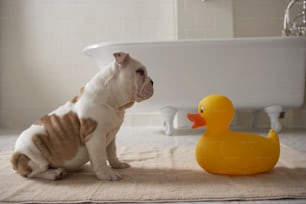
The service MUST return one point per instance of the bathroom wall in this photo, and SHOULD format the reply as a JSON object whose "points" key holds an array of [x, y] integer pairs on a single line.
{"points": [[228, 18], [258, 18], [41, 63], [209, 19]]}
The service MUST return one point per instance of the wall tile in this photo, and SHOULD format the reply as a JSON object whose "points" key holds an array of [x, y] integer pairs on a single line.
{"points": [[41, 63], [258, 18], [209, 19]]}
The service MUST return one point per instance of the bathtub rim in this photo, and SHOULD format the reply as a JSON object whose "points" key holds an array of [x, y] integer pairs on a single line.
{"points": [[95, 46]]}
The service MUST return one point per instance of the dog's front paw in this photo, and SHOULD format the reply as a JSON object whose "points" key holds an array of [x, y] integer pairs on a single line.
{"points": [[108, 175], [120, 165]]}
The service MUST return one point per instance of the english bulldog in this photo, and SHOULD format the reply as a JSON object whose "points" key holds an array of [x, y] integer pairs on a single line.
{"points": [[84, 129]]}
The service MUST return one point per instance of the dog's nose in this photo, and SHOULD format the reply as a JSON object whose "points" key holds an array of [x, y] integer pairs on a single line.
{"points": [[151, 82]]}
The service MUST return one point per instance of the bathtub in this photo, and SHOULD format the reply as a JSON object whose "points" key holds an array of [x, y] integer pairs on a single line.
{"points": [[256, 73]]}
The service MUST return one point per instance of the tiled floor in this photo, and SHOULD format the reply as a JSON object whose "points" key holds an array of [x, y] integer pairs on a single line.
{"points": [[154, 137]]}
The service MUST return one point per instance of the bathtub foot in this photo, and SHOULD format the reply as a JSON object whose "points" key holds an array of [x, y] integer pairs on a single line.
{"points": [[274, 112], [168, 114]]}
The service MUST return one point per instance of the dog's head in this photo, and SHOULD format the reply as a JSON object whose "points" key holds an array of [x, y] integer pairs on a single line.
{"points": [[131, 80]]}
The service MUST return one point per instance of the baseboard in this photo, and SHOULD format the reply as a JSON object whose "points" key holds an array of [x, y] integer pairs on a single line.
{"points": [[143, 119], [243, 119]]}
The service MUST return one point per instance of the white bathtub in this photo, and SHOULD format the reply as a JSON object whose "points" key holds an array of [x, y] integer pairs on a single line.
{"points": [[256, 73]]}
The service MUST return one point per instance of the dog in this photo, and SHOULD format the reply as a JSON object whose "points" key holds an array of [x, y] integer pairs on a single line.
{"points": [[84, 129]]}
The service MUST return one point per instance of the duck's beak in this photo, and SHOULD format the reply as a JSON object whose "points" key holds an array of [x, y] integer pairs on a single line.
{"points": [[197, 119]]}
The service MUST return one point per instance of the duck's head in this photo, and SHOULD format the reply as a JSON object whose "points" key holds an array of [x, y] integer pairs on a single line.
{"points": [[213, 111]]}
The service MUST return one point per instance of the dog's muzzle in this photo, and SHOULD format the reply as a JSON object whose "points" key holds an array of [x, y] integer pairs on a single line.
{"points": [[146, 91]]}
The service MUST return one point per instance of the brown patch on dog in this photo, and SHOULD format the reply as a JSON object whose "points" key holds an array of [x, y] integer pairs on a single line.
{"points": [[64, 136], [76, 98], [40, 121], [20, 164], [87, 127]]}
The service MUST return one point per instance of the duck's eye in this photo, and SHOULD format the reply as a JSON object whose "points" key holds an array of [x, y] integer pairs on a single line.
{"points": [[202, 109], [140, 71]]}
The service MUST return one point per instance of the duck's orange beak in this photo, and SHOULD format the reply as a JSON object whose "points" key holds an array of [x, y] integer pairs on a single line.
{"points": [[197, 119]]}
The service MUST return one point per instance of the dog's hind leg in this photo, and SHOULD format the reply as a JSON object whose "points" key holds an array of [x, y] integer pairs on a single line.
{"points": [[51, 174], [28, 168], [46, 172]]}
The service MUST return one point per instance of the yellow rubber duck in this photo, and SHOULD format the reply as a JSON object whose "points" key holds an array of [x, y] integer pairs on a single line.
{"points": [[223, 151]]}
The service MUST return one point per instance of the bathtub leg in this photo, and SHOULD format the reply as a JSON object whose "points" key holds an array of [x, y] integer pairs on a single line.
{"points": [[274, 112], [168, 114]]}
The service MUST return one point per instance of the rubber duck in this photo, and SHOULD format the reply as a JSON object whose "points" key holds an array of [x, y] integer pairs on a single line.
{"points": [[223, 151]]}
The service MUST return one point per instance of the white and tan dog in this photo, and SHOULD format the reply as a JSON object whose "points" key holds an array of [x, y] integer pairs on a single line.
{"points": [[84, 129]]}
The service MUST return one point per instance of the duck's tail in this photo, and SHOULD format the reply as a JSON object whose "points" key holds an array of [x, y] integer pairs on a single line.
{"points": [[273, 136]]}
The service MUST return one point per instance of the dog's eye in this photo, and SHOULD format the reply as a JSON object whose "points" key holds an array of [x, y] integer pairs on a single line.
{"points": [[140, 71]]}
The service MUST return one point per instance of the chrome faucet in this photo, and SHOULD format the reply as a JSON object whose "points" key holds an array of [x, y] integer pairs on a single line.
{"points": [[296, 26]]}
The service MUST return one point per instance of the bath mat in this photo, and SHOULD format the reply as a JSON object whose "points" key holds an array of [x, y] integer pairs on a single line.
{"points": [[159, 174]]}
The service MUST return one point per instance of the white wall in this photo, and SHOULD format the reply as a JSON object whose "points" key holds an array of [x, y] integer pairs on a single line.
{"points": [[209, 19], [258, 18], [41, 64]]}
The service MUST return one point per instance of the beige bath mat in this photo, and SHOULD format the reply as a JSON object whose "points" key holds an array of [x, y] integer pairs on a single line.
{"points": [[159, 174]]}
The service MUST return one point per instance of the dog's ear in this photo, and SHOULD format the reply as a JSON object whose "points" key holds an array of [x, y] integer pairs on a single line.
{"points": [[121, 57]]}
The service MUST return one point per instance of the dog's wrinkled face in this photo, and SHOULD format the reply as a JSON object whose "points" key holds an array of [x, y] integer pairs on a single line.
{"points": [[133, 80]]}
